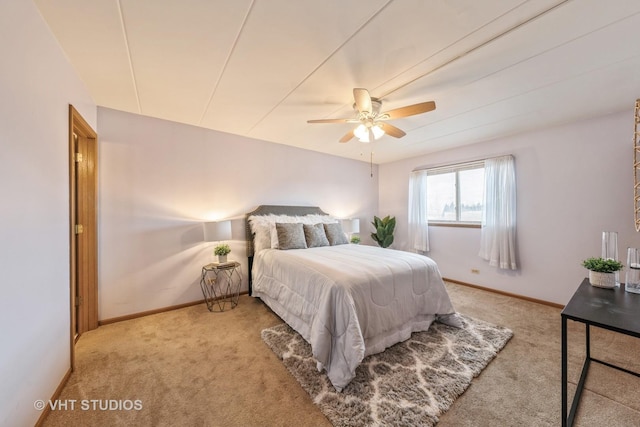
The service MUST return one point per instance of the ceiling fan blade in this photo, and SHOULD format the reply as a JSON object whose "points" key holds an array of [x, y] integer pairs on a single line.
{"points": [[392, 130], [363, 100], [409, 110], [333, 121], [348, 136]]}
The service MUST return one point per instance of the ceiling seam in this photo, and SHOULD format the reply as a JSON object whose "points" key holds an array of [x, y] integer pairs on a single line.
{"points": [[553, 48], [226, 62], [450, 45], [468, 51], [321, 64], [532, 90], [544, 86], [529, 91], [126, 44]]}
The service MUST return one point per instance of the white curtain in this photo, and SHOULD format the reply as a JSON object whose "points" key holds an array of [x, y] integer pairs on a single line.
{"points": [[418, 225], [498, 236]]}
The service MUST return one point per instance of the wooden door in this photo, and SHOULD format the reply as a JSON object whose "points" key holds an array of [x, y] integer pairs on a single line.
{"points": [[83, 160]]}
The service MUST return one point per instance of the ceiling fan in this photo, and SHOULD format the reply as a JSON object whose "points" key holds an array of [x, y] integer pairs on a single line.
{"points": [[372, 122]]}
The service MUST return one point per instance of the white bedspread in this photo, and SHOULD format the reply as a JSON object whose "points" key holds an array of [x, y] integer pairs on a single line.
{"points": [[350, 301]]}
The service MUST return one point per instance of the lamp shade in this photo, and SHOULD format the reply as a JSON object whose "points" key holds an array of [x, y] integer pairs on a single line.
{"points": [[377, 131], [351, 225], [361, 132], [217, 231]]}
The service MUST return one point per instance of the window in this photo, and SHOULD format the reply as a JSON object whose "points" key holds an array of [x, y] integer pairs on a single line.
{"points": [[454, 194]]}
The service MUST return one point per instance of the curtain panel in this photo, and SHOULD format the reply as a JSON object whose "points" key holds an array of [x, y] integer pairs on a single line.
{"points": [[418, 224], [498, 235]]}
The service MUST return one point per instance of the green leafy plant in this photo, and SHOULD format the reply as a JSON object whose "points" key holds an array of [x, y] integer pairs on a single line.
{"points": [[355, 239], [602, 265], [384, 230], [222, 249]]}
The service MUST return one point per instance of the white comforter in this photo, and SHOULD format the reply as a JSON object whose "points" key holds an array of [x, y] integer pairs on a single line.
{"points": [[350, 301]]}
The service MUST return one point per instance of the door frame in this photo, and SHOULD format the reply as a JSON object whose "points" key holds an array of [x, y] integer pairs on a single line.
{"points": [[78, 126]]}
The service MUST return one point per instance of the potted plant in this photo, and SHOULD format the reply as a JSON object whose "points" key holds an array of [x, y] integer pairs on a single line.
{"points": [[384, 230], [222, 250], [355, 239], [602, 272]]}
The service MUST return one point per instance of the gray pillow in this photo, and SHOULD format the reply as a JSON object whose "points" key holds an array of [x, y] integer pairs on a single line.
{"points": [[290, 236], [335, 235], [315, 236]]}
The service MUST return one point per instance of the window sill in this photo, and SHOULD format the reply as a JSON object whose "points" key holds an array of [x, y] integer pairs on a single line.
{"points": [[455, 224]]}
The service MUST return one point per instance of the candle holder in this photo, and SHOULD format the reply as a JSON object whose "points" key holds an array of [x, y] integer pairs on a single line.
{"points": [[632, 279]]}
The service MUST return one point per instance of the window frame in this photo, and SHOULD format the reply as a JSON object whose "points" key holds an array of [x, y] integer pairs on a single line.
{"points": [[455, 168]]}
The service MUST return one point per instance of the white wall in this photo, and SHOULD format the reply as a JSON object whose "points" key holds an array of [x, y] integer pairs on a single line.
{"points": [[573, 182], [36, 87], [160, 180]]}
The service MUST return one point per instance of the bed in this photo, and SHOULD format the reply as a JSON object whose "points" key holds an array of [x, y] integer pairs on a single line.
{"points": [[348, 301]]}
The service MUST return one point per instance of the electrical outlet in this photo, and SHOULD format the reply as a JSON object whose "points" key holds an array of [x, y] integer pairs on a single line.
{"points": [[475, 271]]}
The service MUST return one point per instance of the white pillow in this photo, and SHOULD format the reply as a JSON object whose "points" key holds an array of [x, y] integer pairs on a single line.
{"points": [[260, 229], [315, 218]]}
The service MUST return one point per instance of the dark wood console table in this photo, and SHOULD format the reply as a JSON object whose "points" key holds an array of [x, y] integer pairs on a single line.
{"points": [[612, 309]]}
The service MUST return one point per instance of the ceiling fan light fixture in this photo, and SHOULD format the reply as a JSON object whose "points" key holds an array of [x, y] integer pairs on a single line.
{"points": [[367, 132], [361, 132], [377, 131]]}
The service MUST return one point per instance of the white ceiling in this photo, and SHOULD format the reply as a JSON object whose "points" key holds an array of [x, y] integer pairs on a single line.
{"points": [[262, 68]]}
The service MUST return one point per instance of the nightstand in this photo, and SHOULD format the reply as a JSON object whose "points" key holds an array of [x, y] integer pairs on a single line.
{"points": [[220, 284]]}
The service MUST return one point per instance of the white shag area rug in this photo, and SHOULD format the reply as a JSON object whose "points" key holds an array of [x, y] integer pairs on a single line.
{"points": [[409, 384]]}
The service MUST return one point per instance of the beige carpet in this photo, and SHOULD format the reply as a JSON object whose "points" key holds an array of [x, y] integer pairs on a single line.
{"points": [[193, 367]]}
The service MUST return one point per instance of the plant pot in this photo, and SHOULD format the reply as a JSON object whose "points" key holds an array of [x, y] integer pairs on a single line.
{"points": [[222, 258], [602, 280]]}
